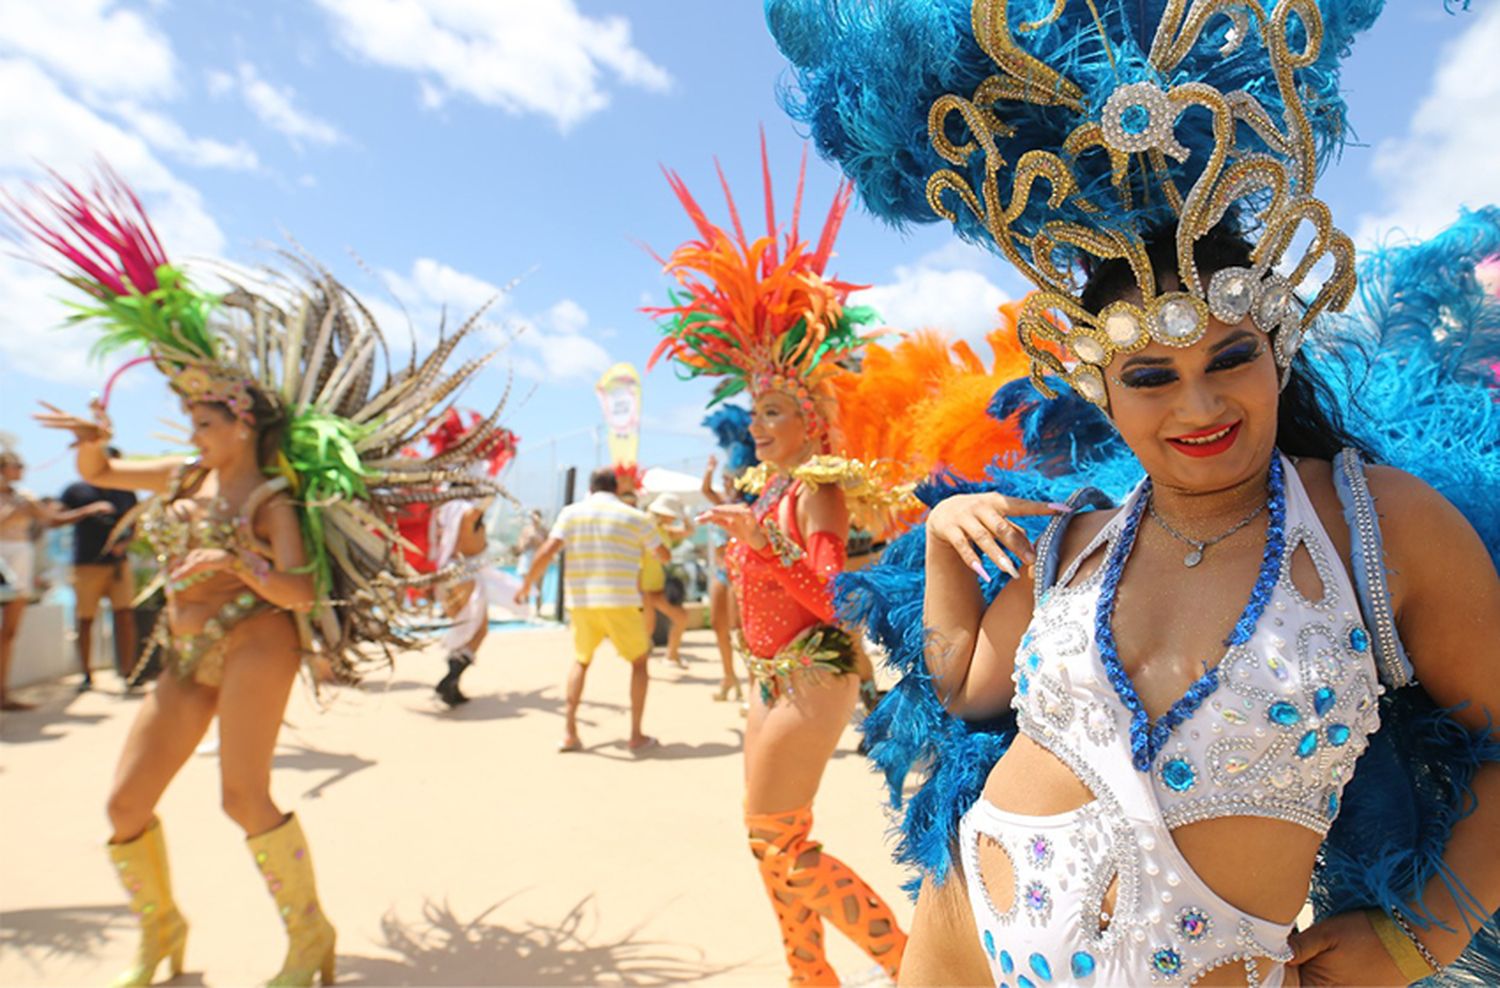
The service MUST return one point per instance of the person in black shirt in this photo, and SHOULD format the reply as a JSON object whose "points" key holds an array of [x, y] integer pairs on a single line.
{"points": [[100, 570]]}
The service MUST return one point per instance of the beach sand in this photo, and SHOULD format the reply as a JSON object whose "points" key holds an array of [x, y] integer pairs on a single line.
{"points": [[452, 847]]}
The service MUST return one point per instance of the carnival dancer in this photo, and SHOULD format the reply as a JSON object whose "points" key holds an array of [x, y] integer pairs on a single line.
{"points": [[1167, 710], [260, 574], [730, 425], [764, 318], [456, 534]]}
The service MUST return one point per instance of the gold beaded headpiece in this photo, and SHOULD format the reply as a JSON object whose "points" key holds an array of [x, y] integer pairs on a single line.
{"points": [[1260, 163]]}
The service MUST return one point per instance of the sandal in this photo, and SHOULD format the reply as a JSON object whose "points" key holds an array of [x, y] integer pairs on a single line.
{"points": [[568, 745]]}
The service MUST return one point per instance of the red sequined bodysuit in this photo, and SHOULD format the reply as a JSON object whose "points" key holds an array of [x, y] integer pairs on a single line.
{"points": [[780, 600]]}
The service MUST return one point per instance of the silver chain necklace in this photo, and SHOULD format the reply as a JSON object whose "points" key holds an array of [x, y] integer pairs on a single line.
{"points": [[1195, 555]]}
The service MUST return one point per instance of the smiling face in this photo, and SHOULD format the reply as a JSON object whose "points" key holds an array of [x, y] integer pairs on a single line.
{"points": [[1199, 418], [220, 438], [779, 429]]}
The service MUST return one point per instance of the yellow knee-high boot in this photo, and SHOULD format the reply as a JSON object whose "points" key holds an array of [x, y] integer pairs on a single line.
{"points": [[286, 864], [142, 867]]}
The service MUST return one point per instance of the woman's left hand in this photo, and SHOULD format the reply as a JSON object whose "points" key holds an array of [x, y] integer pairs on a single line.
{"points": [[738, 520], [202, 561], [1342, 950]]}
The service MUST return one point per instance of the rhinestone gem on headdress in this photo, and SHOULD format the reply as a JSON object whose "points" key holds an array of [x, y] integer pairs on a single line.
{"points": [[1088, 349], [1122, 328], [1177, 322], [1230, 294]]}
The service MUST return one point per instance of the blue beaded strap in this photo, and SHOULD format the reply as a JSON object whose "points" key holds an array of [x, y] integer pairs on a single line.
{"points": [[1049, 544], [1148, 739], [1368, 558]]}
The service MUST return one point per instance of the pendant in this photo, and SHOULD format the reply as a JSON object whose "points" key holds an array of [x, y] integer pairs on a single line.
{"points": [[1193, 558]]}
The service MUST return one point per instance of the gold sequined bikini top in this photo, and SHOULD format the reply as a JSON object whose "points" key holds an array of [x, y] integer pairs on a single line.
{"points": [[172, 532]]}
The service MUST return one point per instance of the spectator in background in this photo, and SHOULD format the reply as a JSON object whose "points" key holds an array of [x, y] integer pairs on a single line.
{"points": [[672, 527], [100, 569], [533, 534], [605, 539], [22, 520]]}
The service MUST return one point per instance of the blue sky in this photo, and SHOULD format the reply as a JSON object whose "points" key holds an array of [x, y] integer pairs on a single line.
{"points": [[453, 145]]}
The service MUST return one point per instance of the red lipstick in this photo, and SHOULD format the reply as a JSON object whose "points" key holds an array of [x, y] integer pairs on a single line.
{"points": [[1206, 442]]}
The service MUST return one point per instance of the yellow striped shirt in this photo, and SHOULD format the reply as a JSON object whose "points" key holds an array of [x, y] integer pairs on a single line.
{"points": [[605, 539]]}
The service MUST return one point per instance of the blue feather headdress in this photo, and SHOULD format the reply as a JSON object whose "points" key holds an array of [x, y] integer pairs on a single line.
{"points": [[1064, 133], [730, 425]]}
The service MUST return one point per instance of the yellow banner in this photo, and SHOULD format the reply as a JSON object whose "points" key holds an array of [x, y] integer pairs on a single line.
{"points": [[619, 391]]}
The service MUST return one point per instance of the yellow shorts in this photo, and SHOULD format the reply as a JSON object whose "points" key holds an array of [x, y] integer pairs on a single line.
{"points": [[623, 626], [93, 582]]}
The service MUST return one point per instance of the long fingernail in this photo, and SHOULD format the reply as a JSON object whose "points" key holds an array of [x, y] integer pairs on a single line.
{"points": [[1058, 506], [984, 575]]}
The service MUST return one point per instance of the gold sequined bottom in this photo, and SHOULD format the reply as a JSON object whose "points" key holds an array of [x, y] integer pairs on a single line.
{"points": [[200, 658], [822, 649]]}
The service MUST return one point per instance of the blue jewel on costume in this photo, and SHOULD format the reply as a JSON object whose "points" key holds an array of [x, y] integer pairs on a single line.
{"points": [[1006, 964], [1166, 961], [1148, 739], [1023, 683], [1333, 805], [1359, 639], [1178, 774], [1040, 967], [1323, 700], [1283, 713], [1033, 660], [1083, 964], [989, 943], [1194, 923], [1307, 745], [1041, 851], [1024, 982], [1338, 734], [1037, 897]]}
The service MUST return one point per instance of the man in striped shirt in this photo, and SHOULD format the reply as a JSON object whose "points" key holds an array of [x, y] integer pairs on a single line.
{"points": [[606, 540]]}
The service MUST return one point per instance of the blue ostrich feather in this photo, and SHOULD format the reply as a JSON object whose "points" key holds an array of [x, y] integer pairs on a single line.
{"points": [[730, 425], [864, 76]]}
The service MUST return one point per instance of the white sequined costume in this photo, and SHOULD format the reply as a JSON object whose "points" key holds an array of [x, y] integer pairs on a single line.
{"points": [[1277, 737]]}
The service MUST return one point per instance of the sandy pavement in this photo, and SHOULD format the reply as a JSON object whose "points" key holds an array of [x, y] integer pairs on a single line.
{"points": [[452, 848]]}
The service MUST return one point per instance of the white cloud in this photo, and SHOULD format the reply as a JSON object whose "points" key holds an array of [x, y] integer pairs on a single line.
{"points": [[166, 135], [95, 45], [942, 290], [543, 56], [276, 107], [42, 123], [550, 346], [1449, 153]]}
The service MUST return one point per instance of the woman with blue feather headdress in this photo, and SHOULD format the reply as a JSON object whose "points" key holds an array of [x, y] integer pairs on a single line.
{"points": [[1269, 674]]}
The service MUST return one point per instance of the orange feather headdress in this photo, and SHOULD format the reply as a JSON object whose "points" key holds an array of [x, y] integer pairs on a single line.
{"points": [[761, 314]]}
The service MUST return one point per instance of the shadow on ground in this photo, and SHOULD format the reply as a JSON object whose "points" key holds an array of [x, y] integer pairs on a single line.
{"points": [[305, 759], [442, 949], [501, 706], [50, 721], [40, 935]]}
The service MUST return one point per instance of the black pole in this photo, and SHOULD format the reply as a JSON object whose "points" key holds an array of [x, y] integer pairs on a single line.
{"points": [[570, 481]]}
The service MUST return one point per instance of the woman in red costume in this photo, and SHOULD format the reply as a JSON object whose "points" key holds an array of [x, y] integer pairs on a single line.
{"points": [[762, 317]]}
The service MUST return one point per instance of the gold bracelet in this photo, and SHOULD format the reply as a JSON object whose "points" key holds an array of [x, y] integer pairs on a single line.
{"points": [[1412, 957]]}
